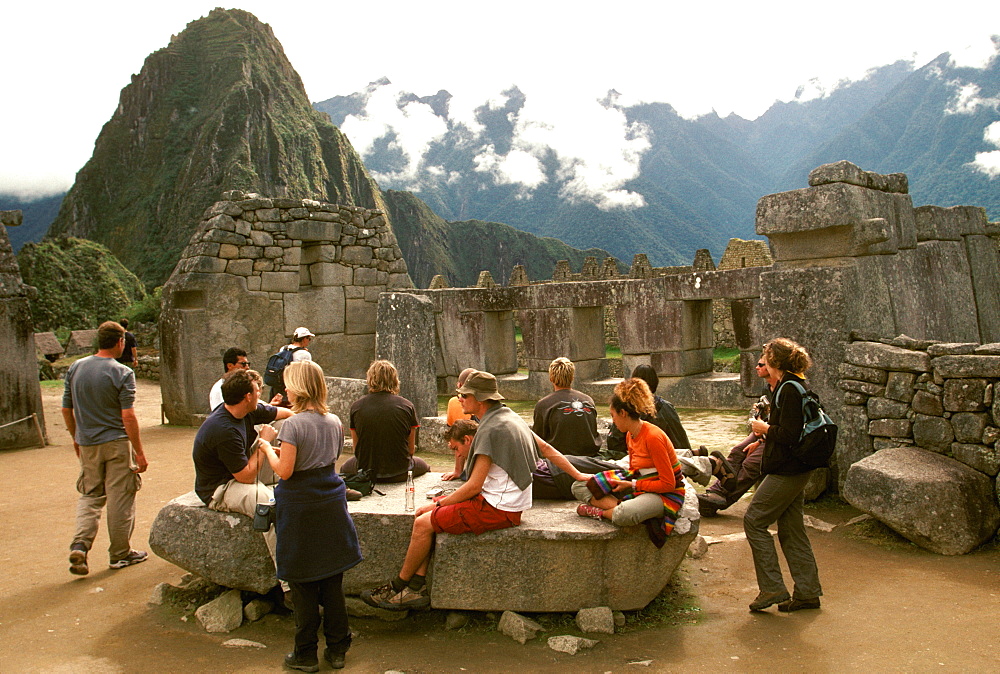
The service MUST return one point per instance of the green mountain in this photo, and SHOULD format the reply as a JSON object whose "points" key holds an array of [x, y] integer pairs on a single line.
{"points": [[460, 250], [80, 283], [219, 108]]}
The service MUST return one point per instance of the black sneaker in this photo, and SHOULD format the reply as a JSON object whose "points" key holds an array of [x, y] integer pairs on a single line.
{"points": [[336, 660], [133, 557], [78, 563], [798, 604], [293, 661]]}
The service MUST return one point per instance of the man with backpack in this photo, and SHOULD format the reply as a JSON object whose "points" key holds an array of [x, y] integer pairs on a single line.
{"points": [[289, 353]]}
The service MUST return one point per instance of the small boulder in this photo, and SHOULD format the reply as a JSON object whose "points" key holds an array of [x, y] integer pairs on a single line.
{"points": [[570, 644], [698, 548], [257, 609], [517, 627], [598, 620], [222, 614], [456, 620], [938, 503]]}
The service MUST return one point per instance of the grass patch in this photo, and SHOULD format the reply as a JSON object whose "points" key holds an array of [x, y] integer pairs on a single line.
{"points": [[676, 605], [51, 383], [726, 360]]}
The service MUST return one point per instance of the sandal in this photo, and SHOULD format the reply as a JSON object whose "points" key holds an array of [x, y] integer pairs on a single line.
{"points": [[724, 471]]}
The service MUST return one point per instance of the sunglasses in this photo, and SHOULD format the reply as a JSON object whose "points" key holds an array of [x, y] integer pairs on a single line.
{"points": [[245, 364], [463, 396], [760, 365]]}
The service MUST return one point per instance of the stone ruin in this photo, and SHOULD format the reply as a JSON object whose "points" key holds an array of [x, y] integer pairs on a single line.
{"points": [[22, 422], [850, 253], [920, 431], [256, 269]]}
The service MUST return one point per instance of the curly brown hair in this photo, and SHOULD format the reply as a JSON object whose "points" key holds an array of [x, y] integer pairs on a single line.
{"points": [[633, 397], [787, 356]]}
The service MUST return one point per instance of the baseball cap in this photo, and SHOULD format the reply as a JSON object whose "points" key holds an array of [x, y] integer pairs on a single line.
{"points": [[302, 333]]}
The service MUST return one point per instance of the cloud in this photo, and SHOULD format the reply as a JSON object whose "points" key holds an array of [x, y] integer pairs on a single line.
{"points": [[410, 129], [596, 149], [968, 99], [989, 162]]}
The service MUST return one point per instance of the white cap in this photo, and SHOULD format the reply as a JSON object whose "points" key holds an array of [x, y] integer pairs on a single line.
{"points": [[302, 333]]}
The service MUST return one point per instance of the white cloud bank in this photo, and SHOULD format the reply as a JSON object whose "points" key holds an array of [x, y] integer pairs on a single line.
{"points": [[989, 162]]}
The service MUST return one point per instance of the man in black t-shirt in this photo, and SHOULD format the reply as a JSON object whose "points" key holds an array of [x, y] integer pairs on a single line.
{"points": [[130, 352], [567, 418], [225, 471], [384, 429]]}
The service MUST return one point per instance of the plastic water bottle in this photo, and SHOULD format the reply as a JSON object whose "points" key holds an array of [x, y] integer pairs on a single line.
{"points": [[410, 492]]}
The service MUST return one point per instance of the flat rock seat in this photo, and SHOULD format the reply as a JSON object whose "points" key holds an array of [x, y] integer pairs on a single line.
{"points": [[554, 561]]}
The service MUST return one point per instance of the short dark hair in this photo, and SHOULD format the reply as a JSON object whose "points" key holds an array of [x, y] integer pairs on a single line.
{"points": [[236, 385], [108, 335], [462, 428], [230, 357], [647, 373], [124, 323]]}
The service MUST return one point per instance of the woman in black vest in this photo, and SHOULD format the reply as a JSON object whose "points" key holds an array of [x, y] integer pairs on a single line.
{"points": [[778, 498]]}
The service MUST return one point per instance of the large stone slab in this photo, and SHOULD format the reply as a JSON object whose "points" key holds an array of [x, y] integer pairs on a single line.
{"points": [[554, 561], [405, 332], [220, 547], [936, 502]]}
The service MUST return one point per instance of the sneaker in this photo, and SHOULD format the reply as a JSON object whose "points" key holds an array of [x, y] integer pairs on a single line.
{"points": [[78, 563], [336, 660], [133, 557], [375, 598], [798, 604], [406, 599], [710, 503], [586, 510], [766, 599], [293, 661]]}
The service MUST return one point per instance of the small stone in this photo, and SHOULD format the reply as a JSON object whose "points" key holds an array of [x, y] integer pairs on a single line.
{"points": [[570, 644], [599, 620], [242, 643], [456, 620], [698, 547], [222, 614], [257, 609], [517, 627], [619, 619], [817, 524]]}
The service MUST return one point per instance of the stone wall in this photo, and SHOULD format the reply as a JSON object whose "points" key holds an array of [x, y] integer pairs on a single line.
{"points": [[22, 394], [256, 269], [935, 396], [739, 254], [853, 254]]}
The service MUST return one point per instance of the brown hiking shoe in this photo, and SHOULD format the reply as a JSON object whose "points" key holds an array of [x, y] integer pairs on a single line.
{"points": [[78, 563]]}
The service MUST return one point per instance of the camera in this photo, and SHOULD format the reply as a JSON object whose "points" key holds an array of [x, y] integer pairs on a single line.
{"points": [[263, 516]]}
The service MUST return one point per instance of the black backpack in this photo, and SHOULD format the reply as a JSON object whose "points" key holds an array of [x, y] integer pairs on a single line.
{"points": [[276, 365], [819, 434]]}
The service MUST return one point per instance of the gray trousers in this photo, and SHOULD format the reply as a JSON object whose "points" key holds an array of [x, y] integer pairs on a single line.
{"points": [[779, 499]]}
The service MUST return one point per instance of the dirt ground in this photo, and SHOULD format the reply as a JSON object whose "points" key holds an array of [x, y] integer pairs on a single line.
{"points": [[888, 606]]}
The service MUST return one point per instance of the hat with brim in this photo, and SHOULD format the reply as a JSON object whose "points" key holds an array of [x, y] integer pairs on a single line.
{"points": [[482, 385]]}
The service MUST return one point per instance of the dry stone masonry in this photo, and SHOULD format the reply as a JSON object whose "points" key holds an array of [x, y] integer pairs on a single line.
{"points": [[256, 269], [22, 395], [920, 433]]}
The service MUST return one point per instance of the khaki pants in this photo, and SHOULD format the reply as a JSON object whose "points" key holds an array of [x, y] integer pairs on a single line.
{"points": [[107, 477], [237, 497]]}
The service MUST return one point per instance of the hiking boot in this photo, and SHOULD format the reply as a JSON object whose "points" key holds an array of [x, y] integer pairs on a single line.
{"points": [[406, 599], [78, 563], [336, 660], [586, 510], [375, 598], [766, 599], [710, 503], [354, 494], [303, 664], [798, 604], [133, 557]]}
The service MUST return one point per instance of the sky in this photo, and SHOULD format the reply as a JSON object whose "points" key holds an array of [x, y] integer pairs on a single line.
{"points": [[63, 65]]}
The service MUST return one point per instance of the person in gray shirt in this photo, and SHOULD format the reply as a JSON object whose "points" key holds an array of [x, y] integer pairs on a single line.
{"points": [[97, 408]]}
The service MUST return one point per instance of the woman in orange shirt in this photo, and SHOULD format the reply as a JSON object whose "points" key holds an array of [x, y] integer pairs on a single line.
{"points": [[652, 487]]}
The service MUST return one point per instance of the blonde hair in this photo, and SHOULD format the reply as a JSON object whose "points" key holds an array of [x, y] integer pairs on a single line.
{"points": [[561, 372], [633, 397], [382, 376], [787, 356], [305, 379]]}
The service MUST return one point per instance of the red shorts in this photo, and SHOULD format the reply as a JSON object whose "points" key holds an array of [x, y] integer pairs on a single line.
{"points": [[474, 516]]}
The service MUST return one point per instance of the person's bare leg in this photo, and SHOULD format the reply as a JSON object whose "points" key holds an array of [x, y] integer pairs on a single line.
{"points": [[418, 553]]}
